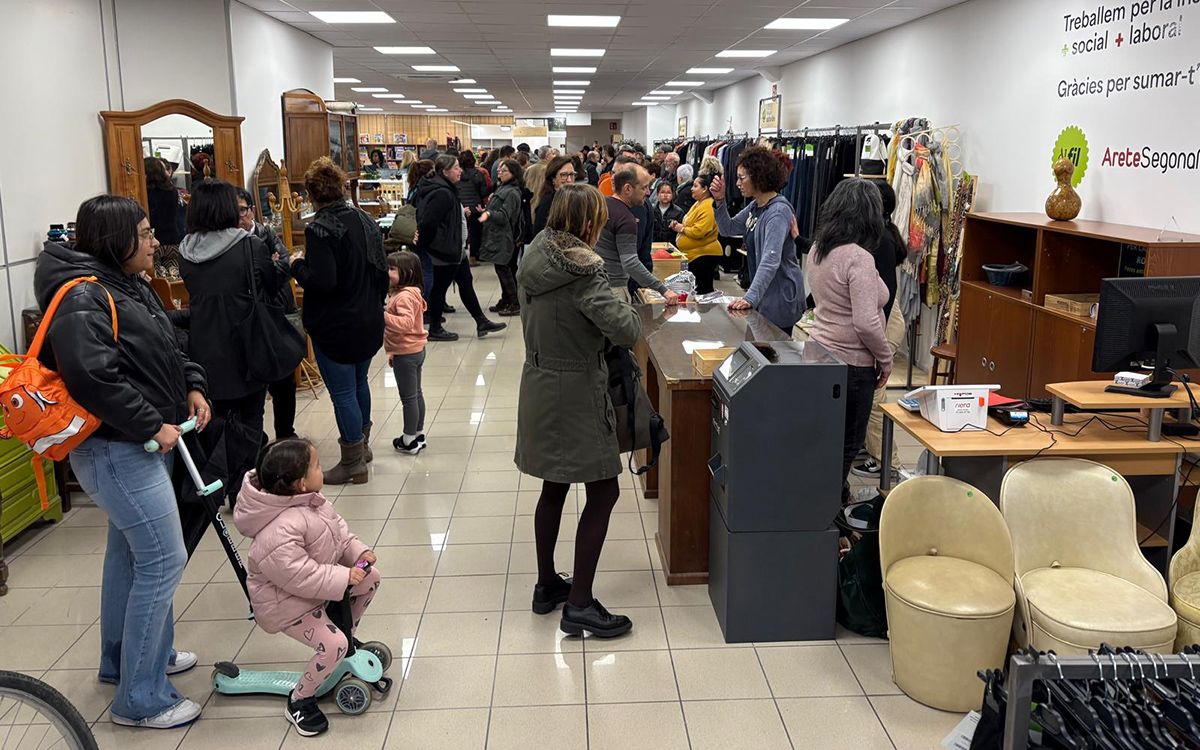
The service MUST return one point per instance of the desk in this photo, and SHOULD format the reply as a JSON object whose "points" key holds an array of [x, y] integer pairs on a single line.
{"points": [[981, 459], [683, 396], [1090, 395]]}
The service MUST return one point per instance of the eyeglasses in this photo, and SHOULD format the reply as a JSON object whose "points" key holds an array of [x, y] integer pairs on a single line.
{"points": [[245, 209], [567, 175], [146, 234], [743, 177]]}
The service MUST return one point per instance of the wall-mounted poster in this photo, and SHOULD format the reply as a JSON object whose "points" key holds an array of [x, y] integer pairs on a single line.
{"points": [[683, 127], [768, 115]]}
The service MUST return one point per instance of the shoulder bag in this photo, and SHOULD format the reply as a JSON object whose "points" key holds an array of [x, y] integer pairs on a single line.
{"points": [[271, 344], [639, 426]]}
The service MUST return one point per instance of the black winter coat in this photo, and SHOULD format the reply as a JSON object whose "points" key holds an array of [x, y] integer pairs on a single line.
{"points": [[439, 220], [220, 305], [662, 222], [135, 384], [343, 291], [283, 272]]}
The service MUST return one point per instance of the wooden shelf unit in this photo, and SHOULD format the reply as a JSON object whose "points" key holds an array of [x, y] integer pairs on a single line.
{"points": [[1023, 345]]}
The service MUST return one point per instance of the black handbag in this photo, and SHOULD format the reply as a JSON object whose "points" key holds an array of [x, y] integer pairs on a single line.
{"points": [[860, 604], [638, 425], [270, 342]]}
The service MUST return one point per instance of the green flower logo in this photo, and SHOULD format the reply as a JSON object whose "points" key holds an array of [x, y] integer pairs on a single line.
{"points": [[1072, 144]]}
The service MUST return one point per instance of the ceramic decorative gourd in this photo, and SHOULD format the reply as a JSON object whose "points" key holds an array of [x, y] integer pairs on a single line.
{"points": [[1064, 203]]}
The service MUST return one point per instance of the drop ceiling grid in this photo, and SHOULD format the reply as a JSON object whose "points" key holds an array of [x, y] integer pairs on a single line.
{"points": [[505, 46]]}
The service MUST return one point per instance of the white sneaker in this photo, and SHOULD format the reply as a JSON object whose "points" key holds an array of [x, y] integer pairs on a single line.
{"points": [[184, 660], [184, 712]]}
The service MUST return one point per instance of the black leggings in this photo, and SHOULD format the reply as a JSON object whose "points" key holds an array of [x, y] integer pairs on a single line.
{"points": [[443, 277], [860, 395], [703, 268], [602, 497], [283, 403]]}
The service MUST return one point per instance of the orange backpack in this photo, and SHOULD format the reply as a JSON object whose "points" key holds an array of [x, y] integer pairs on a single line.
{"points": [[37, 408]]}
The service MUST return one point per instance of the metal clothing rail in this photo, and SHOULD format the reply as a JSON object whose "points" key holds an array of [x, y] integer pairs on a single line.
{"points": [[1023, 671], [858, 130]]}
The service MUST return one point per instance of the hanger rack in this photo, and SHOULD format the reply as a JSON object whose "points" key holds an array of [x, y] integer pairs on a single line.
{"points": [[1024, 670], [858, 130]]}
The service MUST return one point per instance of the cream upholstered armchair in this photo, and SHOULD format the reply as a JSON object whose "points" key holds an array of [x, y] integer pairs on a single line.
{"points": [[1081, 579], [947, 582], [1185, 587]]}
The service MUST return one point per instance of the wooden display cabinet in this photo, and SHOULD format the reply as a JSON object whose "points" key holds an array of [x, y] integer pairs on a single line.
{"points": [[1007, 335], [312, 130]]}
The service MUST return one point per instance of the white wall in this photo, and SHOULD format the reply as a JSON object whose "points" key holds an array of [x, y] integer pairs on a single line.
{"points": [[70, 59], [735, 105], [270, 57], [993, 67], [599, 130]]}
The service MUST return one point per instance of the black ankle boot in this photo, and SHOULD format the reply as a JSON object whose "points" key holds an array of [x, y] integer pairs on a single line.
{"points": [[595, 619], [483, 327], [547, 598], [307, 716]]}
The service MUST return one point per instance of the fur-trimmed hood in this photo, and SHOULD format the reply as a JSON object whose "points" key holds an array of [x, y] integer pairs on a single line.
{"points": [[555, 259]]}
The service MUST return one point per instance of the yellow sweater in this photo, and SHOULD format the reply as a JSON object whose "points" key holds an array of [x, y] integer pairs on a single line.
{"points": [[699, 235]]}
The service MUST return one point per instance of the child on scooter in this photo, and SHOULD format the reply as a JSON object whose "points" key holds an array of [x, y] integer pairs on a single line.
{"points": [[302, 557]]}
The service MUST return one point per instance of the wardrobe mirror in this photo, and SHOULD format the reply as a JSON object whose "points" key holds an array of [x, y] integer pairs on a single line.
{"points": [[184, 144]]}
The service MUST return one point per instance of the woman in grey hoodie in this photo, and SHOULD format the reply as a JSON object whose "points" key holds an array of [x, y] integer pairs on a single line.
{"points": [[777, 286], [218, 258]]}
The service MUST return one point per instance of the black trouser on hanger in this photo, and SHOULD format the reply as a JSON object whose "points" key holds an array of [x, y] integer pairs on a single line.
{"points": [[860, 393], [443, 277], [602, 497], [283, 404]]}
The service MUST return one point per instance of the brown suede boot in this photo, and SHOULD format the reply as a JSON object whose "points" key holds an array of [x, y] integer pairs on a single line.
{"points": [[352, 469], [367, 454]]}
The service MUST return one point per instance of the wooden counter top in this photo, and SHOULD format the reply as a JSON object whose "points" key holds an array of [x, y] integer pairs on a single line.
{"points": [[671, 334], [1090, 395]]}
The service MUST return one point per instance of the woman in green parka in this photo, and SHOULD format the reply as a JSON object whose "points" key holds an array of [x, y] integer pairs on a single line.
{"points": [[566, 428]]}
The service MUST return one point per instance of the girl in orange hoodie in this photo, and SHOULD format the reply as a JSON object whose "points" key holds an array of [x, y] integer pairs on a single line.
{"points": [[404, 339]]}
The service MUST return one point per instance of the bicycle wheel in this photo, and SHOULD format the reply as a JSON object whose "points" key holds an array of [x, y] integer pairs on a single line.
{"points": [[35, 716]]}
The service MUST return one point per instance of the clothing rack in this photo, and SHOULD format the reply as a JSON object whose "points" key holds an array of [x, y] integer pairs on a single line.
{"points": [[1024, 670], [858, 130]]}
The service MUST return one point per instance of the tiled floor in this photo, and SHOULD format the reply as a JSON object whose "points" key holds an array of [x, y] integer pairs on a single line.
{"points": [[453, 529]]}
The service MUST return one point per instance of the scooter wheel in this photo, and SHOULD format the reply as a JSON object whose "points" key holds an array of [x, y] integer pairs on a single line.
{"points": [[381, 651], [353, 696]]}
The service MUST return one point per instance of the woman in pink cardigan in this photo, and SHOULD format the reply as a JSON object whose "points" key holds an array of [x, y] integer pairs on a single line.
{"points": [[303, 556], [850, 296]]}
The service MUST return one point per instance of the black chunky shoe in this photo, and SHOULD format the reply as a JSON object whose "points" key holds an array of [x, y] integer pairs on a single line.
{"points": [[307, 716], [450, 309], [485, 326], [441, 334], [547, 598], [511, 311], [412, 449], [595, 619]]}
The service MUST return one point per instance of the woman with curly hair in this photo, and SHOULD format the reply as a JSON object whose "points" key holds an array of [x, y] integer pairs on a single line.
{"points": [[777, 286]]}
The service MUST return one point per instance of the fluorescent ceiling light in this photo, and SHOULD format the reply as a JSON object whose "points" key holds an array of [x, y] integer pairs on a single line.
{"points": [[352, 16], [747, 53], [572, 83], [436, 109], [584, 21], [406, 50], [667, 92], [392, 95], [489, 102], [572, 69], [645, 104], [436, 68], [470, 91], [649, 98], [708, 71], [408, 101], [570, 91], [367, 89], [424, 106], [805, 23], [370, 109], [502, 109], [346, 80], [477, 96], [684, 84], [576, 52], [458, 81]]}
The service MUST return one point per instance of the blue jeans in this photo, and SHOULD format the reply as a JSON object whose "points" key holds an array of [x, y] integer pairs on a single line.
{"points": [[426, 273], [350, 393], [143, 564]]}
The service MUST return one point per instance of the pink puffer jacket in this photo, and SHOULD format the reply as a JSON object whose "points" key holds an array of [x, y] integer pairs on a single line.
{"points": [[300, 555]]}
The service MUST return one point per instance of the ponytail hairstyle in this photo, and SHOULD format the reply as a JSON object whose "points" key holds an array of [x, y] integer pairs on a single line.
{"points": [[283, 464]]}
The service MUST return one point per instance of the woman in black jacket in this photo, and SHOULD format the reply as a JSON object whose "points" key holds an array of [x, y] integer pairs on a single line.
{"points": [[166, 215], [134, 378], [441, 230], [344, 274], [472, 194], [220, 263], [503, 228], [559, 171], [665, 212]]}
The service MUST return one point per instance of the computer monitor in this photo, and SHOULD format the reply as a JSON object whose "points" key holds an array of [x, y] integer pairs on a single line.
{"points": [[1148, 319]]}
